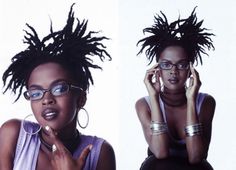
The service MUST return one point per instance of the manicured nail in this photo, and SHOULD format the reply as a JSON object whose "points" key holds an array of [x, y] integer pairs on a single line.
{"points": [[47, 128]]}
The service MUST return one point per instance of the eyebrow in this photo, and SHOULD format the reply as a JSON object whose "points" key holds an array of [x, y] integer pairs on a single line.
{"points": [[182, 60], [34, 86]]}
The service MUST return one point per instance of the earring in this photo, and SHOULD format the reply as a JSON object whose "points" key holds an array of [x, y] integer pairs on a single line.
{"points": [[29, 127], [87, 115]]}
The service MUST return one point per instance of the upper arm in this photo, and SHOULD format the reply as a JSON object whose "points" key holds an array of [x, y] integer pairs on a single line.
{"points": [[144, 115], [107, 160], [9, 132], [206, 116]]}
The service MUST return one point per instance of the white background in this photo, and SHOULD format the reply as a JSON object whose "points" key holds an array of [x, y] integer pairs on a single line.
{"points": [[111, 100]]}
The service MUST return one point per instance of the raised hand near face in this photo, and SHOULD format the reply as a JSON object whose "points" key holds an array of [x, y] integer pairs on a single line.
{"points": [[152, 80], [194, 84], [62, 158]]}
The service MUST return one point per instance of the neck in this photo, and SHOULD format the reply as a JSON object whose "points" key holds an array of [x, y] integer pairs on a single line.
{"points": [[70, 143], [174, 98]]}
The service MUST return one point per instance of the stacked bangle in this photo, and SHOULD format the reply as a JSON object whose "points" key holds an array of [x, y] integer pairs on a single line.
{"points": [[158, 127], [192, 130]]}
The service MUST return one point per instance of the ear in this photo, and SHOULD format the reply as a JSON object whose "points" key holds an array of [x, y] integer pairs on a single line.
{"points": [[82, 100]]}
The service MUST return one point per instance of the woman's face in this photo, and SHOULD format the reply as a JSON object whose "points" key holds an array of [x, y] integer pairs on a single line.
{"points": [[57, 112], [174, 67]]}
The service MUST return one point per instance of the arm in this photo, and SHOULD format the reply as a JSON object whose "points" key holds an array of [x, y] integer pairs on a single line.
{"points": [[107, 160], [8, 138], [158, 144], [197, 145]]}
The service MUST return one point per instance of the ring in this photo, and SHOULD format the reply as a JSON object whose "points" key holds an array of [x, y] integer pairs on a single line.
{"points": [[54, 148]]}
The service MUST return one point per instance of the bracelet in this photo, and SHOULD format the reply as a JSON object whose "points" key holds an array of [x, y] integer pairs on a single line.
{"points": [[192, 130], [158, 127]]}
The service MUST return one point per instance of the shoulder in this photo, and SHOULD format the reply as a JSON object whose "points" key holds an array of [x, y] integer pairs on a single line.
{"points": [[11, 128], [208, 107], [142, 109], [141, 102], [106, 158], [141, 105], [9, 133], [210, 98], [209, 102]]}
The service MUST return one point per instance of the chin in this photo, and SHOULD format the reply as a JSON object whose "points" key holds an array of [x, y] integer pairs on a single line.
{"points": [[176, 87]]}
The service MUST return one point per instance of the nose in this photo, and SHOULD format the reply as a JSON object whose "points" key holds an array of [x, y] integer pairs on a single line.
{"points": [[174, 70], [48, 98]]}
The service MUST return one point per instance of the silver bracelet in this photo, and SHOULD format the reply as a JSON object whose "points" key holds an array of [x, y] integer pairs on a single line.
{"points": [[192, 130], [158, 127]]}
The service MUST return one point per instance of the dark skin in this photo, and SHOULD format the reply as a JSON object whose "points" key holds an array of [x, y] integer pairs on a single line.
{"points": [[61, 128], [179, 116]]}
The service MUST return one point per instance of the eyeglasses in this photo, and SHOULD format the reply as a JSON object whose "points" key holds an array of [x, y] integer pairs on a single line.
{"points": [[56, 90], [169, 66]]}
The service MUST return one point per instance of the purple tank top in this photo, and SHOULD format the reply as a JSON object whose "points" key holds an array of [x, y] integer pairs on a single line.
{"points": [[27, 149]]}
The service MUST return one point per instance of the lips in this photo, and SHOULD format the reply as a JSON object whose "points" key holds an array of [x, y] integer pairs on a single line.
{"points": [[173, 80], [49, 114]]}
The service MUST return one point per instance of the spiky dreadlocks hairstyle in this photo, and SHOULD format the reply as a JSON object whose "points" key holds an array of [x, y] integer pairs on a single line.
{"points": [[69, 47], [186, 33]]}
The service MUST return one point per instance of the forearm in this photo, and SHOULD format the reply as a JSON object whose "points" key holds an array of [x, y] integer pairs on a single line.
{"points": [[194, 143], [159, 142]]}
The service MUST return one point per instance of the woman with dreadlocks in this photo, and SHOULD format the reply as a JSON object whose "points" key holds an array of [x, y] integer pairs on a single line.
{"points": [[176, 118], [55, 72]]}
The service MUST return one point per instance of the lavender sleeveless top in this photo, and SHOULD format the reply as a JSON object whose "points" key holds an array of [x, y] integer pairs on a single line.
{"points": [[27, 149], [178, 147]]}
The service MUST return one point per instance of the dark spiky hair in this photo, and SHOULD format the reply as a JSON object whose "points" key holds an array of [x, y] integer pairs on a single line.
{"points": [[186, 33], [70, 47]]}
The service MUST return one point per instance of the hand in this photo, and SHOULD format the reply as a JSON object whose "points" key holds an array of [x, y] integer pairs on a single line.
{"points": [[194, 84], [152, 80], [62, 158]]}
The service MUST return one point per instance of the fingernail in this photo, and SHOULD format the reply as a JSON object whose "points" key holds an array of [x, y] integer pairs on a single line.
{"points": [[54, 148], [90, 147], [47, 128]]}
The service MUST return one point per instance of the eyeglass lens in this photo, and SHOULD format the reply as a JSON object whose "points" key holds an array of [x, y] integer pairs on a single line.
{"points": [[56, 90], [168, 65]]}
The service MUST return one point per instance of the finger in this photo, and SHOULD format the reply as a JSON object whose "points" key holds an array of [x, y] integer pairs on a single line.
{"points": [[82, 158], [57, 146], [149, 76], [191, 68], [191, 81], [194, 73], [50, 132], [153, 68]]}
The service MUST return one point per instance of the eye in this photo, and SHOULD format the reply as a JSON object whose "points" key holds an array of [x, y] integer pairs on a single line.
{"points": [[165, 65], [183, 65], [59, 89], [34, 94]]}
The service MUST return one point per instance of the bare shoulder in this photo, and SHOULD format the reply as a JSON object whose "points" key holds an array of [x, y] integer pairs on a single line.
{"points": [[9, 132], [210, 99], [142, 110], [11, 127], [107, 160], [140, 104], [208, 108]]}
